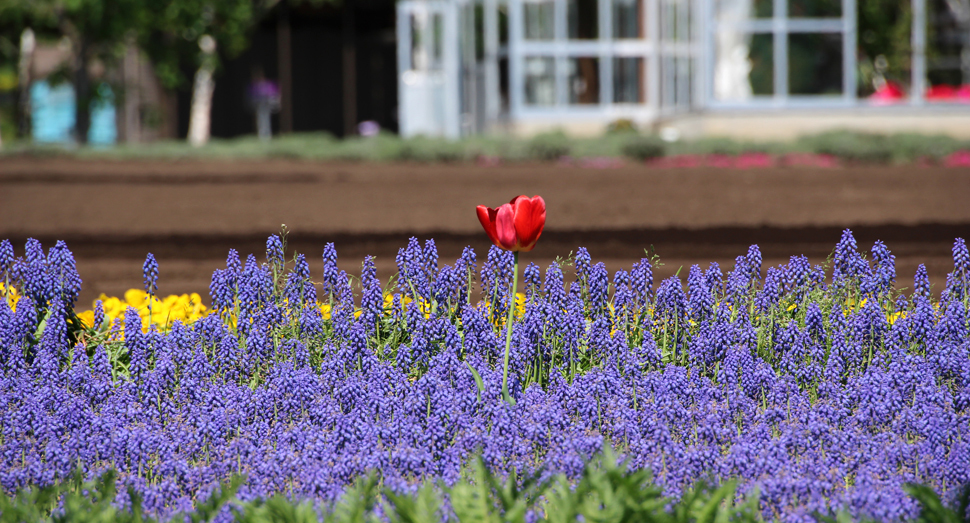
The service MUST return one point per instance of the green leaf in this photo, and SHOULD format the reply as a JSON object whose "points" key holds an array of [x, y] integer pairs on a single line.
{"points": [[478, 381]]}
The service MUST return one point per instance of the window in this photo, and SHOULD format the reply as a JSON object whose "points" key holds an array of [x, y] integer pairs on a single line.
{"points": [[583, 18], [628, 80], [797, 49], [540, 81], [584, 84], [627, 19], [815, 63], [538, 20]]}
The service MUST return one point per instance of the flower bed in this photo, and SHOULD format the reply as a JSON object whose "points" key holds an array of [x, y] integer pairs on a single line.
{"points": [[821, 388]]}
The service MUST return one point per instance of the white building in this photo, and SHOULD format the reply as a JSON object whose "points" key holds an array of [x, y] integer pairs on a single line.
{"points": [[749, 68]]}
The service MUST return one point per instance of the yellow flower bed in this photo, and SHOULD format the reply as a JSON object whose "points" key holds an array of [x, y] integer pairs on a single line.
{"points": [[164, 312]]}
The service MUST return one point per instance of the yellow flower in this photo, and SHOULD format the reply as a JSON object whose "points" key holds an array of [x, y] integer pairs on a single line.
{"points": [[136, 297], [12, 296], [186, 308], [850, 305], [891, 318], [87, 318], [519, 304]]}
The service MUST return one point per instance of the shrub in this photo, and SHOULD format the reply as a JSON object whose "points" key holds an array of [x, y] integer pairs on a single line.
{"points": [[621, 126], [853, 147], [643, 148], [548, 147]]}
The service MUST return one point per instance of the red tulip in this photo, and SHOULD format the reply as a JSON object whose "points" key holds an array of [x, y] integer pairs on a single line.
{"points": [[517, 225]]}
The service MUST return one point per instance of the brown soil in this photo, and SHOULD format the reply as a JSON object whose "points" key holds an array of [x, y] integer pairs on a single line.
{"points": [[190, 213]]}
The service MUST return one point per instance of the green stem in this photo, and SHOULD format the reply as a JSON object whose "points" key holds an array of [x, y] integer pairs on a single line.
{"points": [[508, 333]]}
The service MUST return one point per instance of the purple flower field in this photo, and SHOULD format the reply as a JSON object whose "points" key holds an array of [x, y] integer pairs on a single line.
{"points": [[820, 388]]}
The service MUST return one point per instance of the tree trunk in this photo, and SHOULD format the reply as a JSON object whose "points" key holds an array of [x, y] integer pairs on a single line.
{"points": [[27, 45], [349, 69], [284, 58], [82, 92], [130, 115], [200, 115]]}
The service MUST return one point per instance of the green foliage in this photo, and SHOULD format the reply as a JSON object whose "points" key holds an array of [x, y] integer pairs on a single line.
{"points": [[79, 501], [425, 506], [643, 148], [356, 506], [912, 146], [277, 509], [424, 149], [606, 492], [932, 509], [386, 147], [727, 146], [857, 147], [621, 126], [879, 148], [170, 31], [548, 147]]}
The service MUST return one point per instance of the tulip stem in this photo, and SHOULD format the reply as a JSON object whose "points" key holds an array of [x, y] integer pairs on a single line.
{"points": [[508, 333]]}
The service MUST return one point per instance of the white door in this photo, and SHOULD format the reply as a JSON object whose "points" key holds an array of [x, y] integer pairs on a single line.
{"points": [[428, 67]]}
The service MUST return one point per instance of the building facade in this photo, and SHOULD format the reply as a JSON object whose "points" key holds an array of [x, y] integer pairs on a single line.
{"points": [[473, 66]]}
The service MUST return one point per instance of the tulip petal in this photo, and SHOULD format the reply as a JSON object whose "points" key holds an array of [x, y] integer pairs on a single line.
{"points": [[486, 215], [505, 227], [530, 219]]}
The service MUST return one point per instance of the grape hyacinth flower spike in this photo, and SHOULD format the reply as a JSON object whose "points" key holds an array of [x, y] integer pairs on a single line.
{"points": [[150, 275], [514, 226]]}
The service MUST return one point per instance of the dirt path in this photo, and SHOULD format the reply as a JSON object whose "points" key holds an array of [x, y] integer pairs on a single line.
{"points": [[190, 213]]}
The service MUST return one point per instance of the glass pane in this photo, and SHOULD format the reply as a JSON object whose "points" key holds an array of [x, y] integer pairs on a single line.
{"points": [[627, 18], [948, 51], [477, 12], [762, 59], [816, 8], [668, 84], [419, 55], [437, 42], [885, 44], [628, 85], [738, 10], [683, 22], [764, 8], [539, 20], [684, 87], [674, 20], [583, 19], [668, 20], [744, 67], [815, 63], [584, 80], [540, 81]]}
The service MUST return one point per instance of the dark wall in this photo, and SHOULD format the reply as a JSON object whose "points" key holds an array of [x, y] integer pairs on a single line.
{"points": [[317, 51]]}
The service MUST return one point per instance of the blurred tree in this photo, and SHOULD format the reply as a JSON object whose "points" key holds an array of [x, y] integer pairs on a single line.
{"points": [[95, 29], [21, 22], [199, 32], [176, 33]]}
